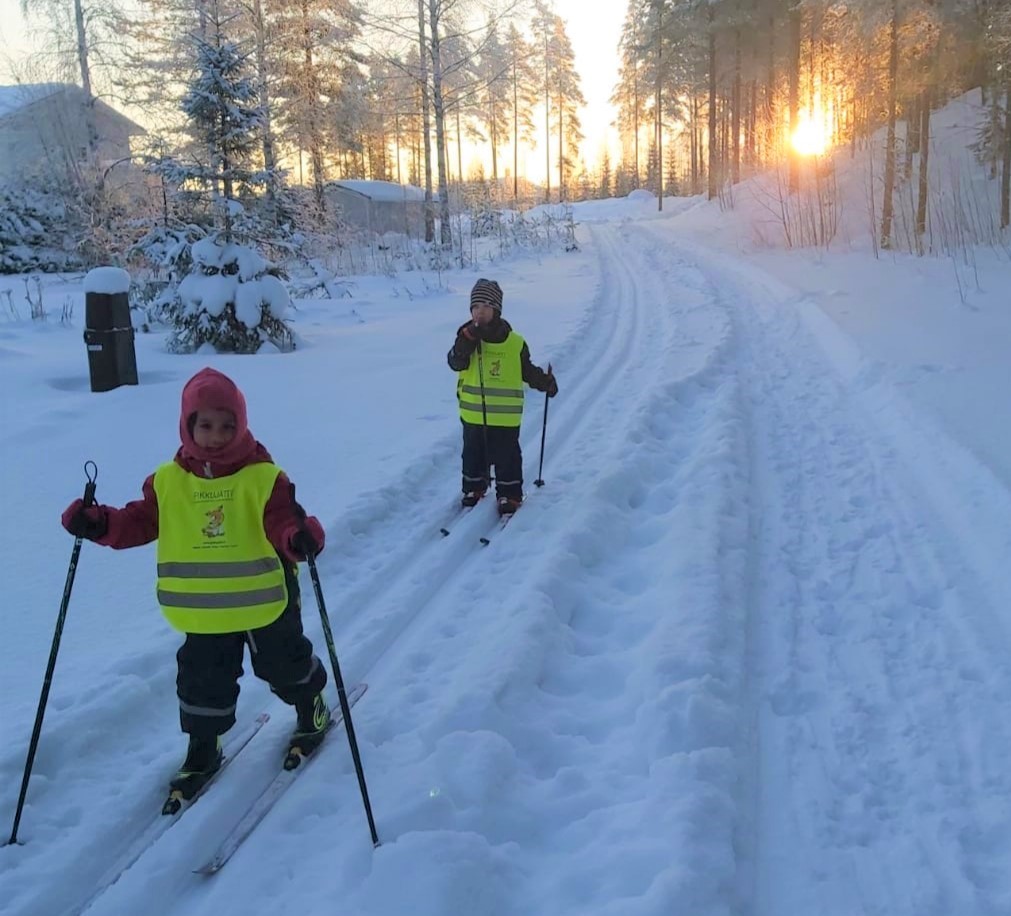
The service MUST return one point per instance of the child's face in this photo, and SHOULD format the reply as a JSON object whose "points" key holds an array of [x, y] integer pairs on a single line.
{"points": [[482, 314], [214, 428]]}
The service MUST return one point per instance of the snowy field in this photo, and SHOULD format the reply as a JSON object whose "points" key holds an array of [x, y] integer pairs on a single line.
{"points": [[746, 652]]}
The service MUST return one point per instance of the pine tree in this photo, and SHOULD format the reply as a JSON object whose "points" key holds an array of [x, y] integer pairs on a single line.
{"points": [[493, 71], [568, 95], [522, 96], [224, 119], [321, 90]]}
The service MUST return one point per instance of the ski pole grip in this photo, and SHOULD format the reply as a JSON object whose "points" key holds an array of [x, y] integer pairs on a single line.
{"points": [[91, 472]]}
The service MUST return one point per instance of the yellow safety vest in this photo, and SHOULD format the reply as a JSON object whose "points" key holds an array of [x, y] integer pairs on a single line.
{"points": [[217, 572], [502, 370]]}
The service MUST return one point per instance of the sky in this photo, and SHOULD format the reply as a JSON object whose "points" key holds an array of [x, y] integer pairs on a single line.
{"points": [[745, 651], [14, 42], [594, 41]]}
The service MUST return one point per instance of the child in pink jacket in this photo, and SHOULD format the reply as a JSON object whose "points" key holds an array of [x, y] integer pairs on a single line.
{"points": [[229, 538]]}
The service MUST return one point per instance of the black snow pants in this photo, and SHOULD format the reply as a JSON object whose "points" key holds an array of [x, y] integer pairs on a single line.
{"points": [[210, 665], [503, 452]]}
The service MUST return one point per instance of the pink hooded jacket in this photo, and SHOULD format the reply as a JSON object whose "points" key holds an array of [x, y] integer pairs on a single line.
{"points": [[137, 522]]}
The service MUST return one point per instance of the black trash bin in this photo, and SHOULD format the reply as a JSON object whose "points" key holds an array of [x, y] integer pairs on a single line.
{"points": [[108, 334]]}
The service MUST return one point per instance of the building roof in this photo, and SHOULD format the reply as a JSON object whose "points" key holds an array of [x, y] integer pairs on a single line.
{"points": [[381, 190], [17, 98], [14, 98]]}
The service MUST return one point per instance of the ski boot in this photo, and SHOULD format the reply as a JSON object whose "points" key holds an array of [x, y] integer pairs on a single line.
{"points": [[507, 505], [314, 722], [471, 498], [203, 760]]}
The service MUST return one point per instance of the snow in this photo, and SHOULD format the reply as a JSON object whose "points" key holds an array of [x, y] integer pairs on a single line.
{"points": [[251, 296], [209, 293], [214, 255], [744, 652], [107, 280], [235, 277]]}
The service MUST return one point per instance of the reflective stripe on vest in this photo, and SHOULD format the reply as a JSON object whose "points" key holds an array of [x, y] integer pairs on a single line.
{"points": [[502, 401], [217, 571]]}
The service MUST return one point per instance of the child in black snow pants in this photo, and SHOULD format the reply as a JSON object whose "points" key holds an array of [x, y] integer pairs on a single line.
{"points": [[229, 536], [493, 362]]}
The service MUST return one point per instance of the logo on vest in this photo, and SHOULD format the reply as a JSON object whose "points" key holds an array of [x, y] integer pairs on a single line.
{"points": [[215, 527], [496, 368], [207, 496]]}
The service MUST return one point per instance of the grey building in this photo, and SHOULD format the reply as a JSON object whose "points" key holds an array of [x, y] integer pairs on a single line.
{"points": [[379, 206], [43, 128]]}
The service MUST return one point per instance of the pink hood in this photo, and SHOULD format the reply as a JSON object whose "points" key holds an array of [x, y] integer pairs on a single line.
{"points": [[213, 390]]}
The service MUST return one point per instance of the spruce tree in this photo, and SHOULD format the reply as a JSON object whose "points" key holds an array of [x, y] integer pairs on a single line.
{"points": [[232, 299]]}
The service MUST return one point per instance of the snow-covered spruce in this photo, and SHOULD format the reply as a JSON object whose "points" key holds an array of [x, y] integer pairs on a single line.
{"points": [[232, 299]]}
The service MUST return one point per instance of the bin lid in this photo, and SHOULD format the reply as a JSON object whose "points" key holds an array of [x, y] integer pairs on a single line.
{"points": [[107, 280]]}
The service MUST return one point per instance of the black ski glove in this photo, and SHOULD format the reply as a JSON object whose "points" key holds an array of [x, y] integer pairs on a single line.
{"points": [[473, 332], [304, 544], [552, 388], [89, 522]]}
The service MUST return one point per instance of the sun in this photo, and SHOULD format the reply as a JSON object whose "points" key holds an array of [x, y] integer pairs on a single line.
{"points": [[809, 139]]}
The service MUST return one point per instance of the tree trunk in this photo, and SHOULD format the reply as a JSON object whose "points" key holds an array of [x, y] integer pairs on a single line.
{"points": [[635, 110], [713, 135], [263, 95], [771, 128], [912, 145], [547, 123], [695, 144], [735, 118], [312, 99], [445, 230], [924, 142], [426, 127], [459, 145], [659, 107], [561, 145], [1005, 187], [893, 79], [85, 67], [494, 147], [396, 143], [795, 28], [516, 133]]}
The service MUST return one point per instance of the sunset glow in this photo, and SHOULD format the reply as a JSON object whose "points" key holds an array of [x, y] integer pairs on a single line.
{"points": [[810, 138]]}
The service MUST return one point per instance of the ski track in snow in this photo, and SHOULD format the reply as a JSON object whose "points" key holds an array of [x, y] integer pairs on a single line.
{"points": [[736, 607], [872, 644]]}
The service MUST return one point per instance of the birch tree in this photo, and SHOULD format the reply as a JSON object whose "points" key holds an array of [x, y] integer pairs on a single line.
{"points": [[565, 85], [92, 25]]}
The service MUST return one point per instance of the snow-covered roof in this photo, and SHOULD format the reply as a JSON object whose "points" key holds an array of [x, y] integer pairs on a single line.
{"points": [[14, 98], [381, 190]]}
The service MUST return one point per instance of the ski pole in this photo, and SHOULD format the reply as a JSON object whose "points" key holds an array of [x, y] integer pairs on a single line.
{"points": [[539, 482], [89, 500], [338, 680], [484, 415]]}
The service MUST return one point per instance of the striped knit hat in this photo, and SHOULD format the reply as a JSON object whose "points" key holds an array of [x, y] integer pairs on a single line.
{"points": [[486, 292]]}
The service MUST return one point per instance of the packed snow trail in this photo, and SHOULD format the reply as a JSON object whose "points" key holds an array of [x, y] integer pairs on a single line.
{"points": [[743, 648], [879, 675]]}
